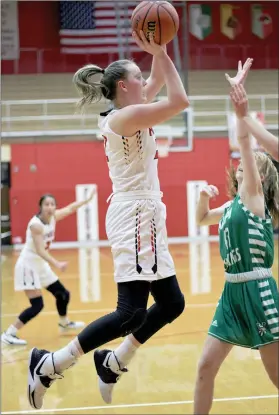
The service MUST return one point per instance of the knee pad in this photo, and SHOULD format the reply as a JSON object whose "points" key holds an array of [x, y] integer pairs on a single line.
{"points": [[63, 296], [132, 321], [173, 310], [59, 291], [37, 304]]}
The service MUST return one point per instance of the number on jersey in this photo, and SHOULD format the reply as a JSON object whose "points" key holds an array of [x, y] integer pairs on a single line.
{"points": [[227, 239]]}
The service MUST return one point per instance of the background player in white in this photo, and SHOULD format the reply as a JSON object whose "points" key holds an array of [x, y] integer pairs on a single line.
{"points": [[135, 222], [33, 271]]}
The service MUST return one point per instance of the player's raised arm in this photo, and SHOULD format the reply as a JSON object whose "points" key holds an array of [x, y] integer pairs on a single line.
{"points": [[267, 140], [252, 181], [156, 80], [204, 215], [72, 207]]}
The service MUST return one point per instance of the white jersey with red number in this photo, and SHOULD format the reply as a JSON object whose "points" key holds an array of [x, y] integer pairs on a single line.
{"points": [[29, 251], [132, 161]]}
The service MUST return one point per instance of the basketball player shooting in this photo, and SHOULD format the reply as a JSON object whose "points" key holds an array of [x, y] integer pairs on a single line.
{"points": [[135, 220]]}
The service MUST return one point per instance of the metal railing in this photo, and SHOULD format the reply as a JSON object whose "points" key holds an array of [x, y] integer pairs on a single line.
{"points": [[203, 119], [260, 103]]}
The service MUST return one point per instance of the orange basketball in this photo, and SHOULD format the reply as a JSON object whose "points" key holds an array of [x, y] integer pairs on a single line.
{"points": [[158, 17]]}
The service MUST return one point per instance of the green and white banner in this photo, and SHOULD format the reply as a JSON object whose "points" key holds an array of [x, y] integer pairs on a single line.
{"points": [[200, 21]]}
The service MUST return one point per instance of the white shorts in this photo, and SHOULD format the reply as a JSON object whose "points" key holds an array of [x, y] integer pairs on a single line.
{"points": [[30, 275], [137, 234]]}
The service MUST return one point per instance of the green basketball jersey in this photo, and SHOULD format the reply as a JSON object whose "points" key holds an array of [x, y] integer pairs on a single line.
{"points": [[246, 240]]}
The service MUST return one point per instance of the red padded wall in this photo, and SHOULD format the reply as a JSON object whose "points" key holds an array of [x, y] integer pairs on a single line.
{"points": [[60, 166]]}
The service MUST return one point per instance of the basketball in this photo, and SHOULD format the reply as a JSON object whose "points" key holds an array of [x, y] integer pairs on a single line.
{"points": [[157, 17]]}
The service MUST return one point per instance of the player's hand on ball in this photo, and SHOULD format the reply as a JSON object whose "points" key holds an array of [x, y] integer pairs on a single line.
{"points": [[148, 46], [209, 191], [242, 73], [62, 265]]}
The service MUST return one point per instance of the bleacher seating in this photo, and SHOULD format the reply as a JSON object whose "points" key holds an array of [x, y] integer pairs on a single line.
{"points": [[57, 86]]}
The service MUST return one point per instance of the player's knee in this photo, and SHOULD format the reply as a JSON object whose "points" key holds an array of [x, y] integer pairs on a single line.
{"points": [[204, 369], [62, 300], [61, 294], [133, 320], [207, 367], [174, 309], [37, 304]]}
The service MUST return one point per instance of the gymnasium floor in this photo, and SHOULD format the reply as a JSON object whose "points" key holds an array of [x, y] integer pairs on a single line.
{"points": [[161, 377]]}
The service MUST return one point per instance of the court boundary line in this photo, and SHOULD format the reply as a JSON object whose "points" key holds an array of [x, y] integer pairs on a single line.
{"points": [[104, 243], [136, 405], [105, 310]]}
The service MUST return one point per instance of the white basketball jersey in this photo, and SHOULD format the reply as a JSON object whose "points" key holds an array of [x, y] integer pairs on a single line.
{"points": [[132, 161], [29, 250]]}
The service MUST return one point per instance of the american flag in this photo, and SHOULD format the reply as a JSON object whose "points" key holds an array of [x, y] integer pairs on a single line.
{"points": [[88, 27]]}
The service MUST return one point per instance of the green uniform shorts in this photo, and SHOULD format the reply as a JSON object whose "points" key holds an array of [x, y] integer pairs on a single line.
{"points": [[247, 314]]}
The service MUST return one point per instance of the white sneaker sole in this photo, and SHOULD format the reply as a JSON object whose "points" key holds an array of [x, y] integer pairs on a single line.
{"points": [[31, 382], [67, 329], [106, 390], [5, 341]]}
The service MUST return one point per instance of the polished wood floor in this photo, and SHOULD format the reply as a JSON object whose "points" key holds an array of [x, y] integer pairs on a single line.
{"points": [[162, 375]]}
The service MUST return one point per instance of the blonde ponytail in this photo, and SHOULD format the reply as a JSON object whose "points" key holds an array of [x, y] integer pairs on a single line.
{"points": [[90, 91], [93, 91]]}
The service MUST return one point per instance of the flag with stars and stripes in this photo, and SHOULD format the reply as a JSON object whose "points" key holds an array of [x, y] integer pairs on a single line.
{"points": [[88, 27]]}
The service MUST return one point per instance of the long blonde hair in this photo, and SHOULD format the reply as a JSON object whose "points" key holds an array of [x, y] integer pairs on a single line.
{"points": [[270, 184]]}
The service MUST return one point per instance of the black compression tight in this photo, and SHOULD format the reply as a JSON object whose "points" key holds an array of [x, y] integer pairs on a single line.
{"points": [[131, 315]]}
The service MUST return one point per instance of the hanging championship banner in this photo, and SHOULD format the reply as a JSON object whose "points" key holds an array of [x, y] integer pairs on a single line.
{"points": [[229, 21], [9, 31], [261, 21], [200, 21]]}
